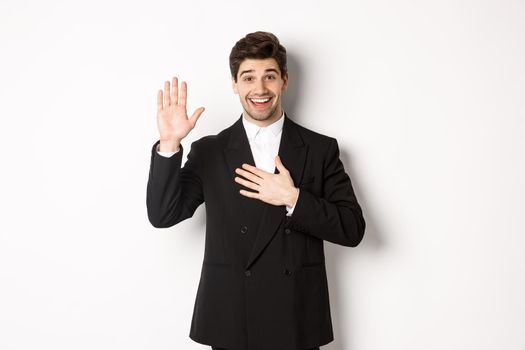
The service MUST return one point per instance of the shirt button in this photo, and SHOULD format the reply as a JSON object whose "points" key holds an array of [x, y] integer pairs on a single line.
{"points": [[287, 272], [247, 273], [287, 231], [244, 229]]}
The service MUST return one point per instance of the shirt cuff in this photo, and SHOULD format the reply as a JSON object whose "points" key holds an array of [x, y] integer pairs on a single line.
{"points": [[290, 210], [167, 154]]}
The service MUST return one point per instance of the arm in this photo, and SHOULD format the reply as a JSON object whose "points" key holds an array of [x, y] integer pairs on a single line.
{"points": [[336, 216], [173, 193]]}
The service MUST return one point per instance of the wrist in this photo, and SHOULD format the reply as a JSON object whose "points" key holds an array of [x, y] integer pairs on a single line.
{"points": [[169, 145], [294, 195]]}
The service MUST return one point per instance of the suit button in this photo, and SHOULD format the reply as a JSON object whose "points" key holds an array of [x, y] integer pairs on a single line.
{"points": [[287, 231], [244, 229], [287, 272], [247, 273]]}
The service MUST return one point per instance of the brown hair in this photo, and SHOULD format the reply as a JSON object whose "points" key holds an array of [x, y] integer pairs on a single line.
{"points": [[258, 45]]}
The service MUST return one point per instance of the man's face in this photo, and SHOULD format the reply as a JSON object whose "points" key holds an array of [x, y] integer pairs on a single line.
{"points": [[260, 79]]}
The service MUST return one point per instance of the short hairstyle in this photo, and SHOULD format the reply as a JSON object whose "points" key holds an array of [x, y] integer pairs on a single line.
{"points": [[257, 45]]}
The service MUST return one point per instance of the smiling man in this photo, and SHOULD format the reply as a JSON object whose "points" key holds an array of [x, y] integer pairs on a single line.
{"points": [[274, 192], [260, 99]]}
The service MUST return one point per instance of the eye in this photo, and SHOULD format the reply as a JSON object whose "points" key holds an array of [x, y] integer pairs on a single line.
{"points": [[247, 78], [271, 77]]}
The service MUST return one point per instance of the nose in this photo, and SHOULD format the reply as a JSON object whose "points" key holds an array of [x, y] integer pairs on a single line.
{"points": [[260, 87]]}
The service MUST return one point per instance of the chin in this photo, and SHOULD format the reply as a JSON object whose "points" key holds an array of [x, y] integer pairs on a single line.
{"points": [[261, 117]]}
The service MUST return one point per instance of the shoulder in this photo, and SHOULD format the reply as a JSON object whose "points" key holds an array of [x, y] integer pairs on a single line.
{"points": [[311, 137], [205, 141]]}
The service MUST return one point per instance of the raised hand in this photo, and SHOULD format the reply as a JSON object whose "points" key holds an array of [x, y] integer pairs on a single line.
{"points": [[172, 117]]}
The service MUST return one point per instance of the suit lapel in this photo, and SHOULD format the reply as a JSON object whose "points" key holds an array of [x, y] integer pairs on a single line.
{"points": [[292, 151], [237, 152]]}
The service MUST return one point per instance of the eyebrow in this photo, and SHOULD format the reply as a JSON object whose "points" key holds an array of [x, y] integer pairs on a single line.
{"points": [[252, 70]]}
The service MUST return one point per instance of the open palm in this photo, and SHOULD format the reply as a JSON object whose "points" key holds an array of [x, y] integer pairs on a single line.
{"points": [[172, 117]]}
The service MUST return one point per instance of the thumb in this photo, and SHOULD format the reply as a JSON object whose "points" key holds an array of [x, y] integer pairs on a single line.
{"points": [[279, 164], [195, 116]]}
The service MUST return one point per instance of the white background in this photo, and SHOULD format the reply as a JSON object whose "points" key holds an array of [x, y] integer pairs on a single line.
{"points": [[425, 98]]}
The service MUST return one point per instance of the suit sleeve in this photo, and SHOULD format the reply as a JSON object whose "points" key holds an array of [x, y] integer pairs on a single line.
{"points": [[173, 193], [336, 216]]}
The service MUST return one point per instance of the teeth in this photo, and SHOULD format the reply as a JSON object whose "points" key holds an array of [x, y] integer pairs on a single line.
{"points": [[260, 100]]}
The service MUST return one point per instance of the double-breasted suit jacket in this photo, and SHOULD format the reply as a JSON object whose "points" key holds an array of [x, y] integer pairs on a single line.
{"points": [[263, 283]]}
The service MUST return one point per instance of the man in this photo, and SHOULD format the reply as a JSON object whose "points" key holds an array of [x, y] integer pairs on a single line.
{"points": [[273, 192]]}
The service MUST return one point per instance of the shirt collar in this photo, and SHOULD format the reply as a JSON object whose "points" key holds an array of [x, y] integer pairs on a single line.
{"points": [[252, 129]]}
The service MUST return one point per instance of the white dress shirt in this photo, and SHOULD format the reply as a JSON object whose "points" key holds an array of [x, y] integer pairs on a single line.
{"points": [[264, 144]]}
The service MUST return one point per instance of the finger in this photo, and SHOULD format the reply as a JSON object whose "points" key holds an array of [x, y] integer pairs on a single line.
{"points": [[249, 194], [246, 183], [256, 171], [159, 101], [175, 95], [184, 88], [195, 116], [249, 176], [280, 165], [166, 94]]}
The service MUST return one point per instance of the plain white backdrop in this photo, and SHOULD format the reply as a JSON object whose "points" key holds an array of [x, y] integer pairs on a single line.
{"points": [[425, 98]]}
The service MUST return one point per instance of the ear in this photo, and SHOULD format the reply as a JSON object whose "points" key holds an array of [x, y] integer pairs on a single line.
{"points": [[234, 86], [285, 84]]}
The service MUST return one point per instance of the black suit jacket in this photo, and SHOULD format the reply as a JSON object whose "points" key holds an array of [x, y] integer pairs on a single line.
{"points": [[263, 283]]}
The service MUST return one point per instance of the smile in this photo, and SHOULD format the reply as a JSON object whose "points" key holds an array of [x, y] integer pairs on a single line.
{"points": [[260, 102]]}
